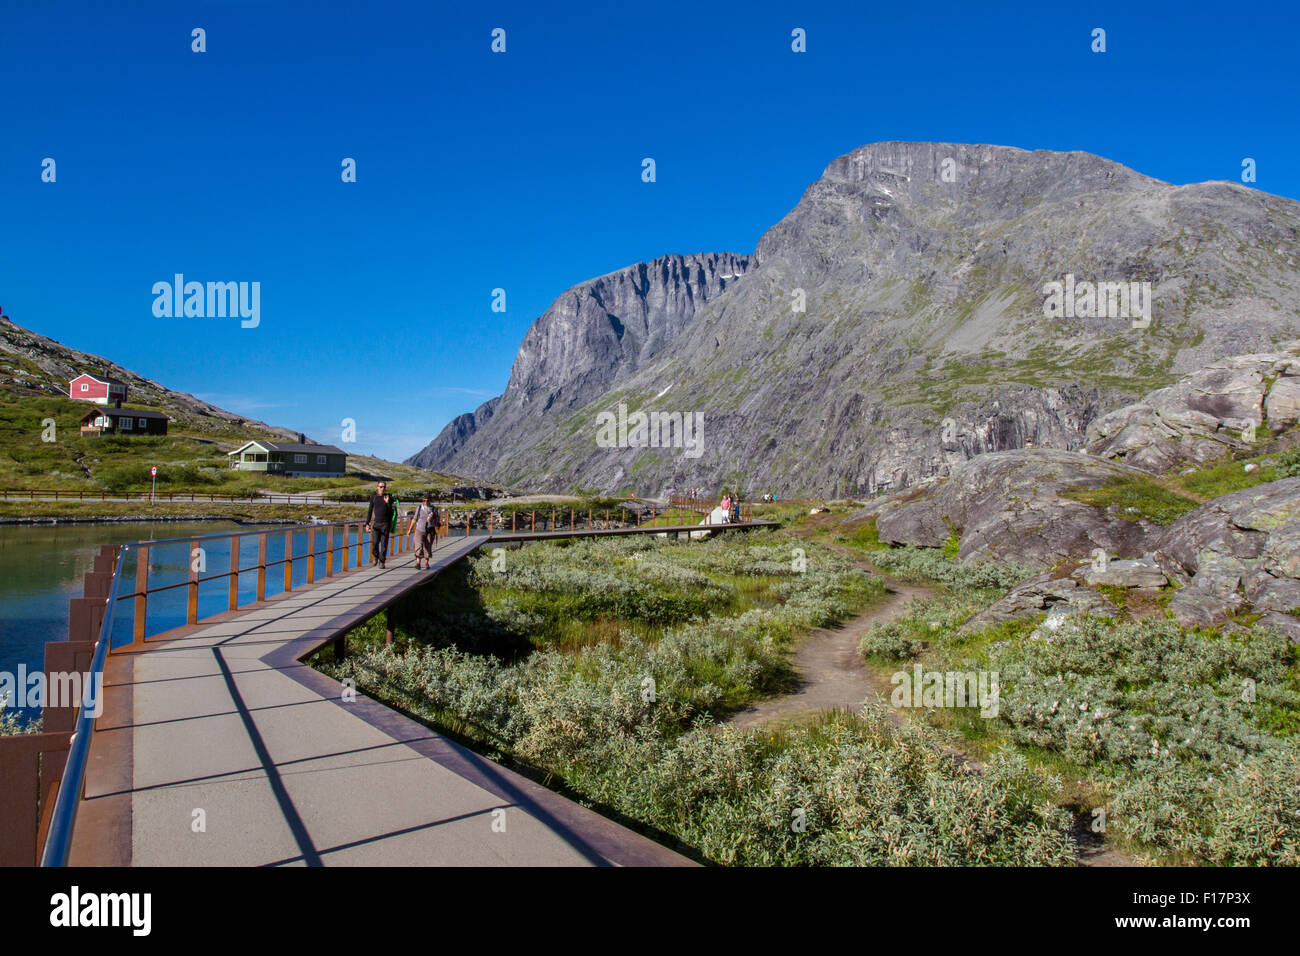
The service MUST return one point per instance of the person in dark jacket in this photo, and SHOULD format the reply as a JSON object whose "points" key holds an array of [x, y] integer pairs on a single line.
{"points": [[379, 522]]}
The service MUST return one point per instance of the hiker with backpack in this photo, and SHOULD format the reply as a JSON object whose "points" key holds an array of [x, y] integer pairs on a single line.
{"points": [[424, 522]]}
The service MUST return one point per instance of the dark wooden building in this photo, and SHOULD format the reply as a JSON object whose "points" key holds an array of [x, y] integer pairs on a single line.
{"points": [[124, 421]]}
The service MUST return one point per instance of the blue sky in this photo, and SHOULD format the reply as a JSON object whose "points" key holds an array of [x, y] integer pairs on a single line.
{"points": [[522, 170]]}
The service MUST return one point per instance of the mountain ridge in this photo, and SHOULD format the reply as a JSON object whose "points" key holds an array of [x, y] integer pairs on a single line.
{"points": [[922, 266]]}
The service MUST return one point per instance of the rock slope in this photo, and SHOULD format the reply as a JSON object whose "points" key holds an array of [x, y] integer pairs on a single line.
{"points": [[893, 325]]}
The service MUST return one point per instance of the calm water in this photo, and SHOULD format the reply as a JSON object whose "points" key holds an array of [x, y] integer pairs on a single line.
{"points": [[41, 569]]}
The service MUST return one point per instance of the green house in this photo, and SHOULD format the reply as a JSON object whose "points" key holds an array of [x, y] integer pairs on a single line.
{"points": [[291, 459]]}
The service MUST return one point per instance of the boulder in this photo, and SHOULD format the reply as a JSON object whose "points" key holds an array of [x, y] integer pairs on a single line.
{"points": [[1060, 597], [1124, 574]]}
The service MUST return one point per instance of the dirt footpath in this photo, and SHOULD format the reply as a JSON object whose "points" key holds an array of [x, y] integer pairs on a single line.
{"points": [[831, 673]]}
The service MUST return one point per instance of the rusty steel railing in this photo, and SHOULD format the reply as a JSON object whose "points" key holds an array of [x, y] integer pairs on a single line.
{"points": [[337, 557], [58, 840], [82, 494]]}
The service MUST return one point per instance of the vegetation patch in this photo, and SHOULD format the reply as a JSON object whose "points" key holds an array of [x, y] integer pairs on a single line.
{"points": [[621, 705], [1136, 498]]}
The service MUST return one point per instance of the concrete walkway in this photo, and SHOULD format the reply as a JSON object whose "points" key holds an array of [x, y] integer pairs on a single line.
{"points": [[217, 747]]}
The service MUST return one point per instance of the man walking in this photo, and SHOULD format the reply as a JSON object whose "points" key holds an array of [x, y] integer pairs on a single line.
{"points": [[379, 522]]}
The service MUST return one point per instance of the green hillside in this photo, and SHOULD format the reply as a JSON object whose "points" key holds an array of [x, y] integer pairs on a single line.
{"points": [[42, 448]]}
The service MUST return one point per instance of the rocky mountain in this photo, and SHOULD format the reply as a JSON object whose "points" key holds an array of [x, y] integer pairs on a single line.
{"points": [[593, 336], [922, 304]]}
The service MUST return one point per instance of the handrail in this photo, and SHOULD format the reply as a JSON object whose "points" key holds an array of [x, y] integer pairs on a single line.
{"points": [[102, 494], [58, 841], [153, 542]]}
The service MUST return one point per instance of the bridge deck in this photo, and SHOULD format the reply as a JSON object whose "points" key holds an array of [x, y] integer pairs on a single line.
{"points": [[221, 717]]}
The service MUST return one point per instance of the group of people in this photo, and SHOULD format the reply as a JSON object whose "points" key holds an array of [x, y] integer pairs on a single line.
{"points": [[731, 506], [384, 518]]}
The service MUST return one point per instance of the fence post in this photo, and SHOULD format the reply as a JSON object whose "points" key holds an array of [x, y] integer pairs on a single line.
{"points": [[234, 572], [261, 566], [192, 589], [141, 592], [347, 533], [329, 552], [532, 521], [288, 561], [311, 555]]}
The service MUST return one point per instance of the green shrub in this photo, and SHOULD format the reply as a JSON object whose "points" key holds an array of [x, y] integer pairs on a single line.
{"points": [[1288, 464], [932, 564]]}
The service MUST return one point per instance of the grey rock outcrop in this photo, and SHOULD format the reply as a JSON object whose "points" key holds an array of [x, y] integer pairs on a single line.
{"points": [[1206, 416], [892, 325], [1006, 506], [1239, 551]]}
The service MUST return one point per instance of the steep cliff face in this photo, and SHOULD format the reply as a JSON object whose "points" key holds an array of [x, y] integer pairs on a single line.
{"points": [[593, 335], [898, 321]]}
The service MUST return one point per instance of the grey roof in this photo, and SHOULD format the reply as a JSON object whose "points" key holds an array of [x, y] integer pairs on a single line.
{"points": [[113, 412], [298, 446], [292, 447]]}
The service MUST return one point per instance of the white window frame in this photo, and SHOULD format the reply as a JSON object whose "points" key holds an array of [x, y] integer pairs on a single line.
{"points": [[142, 424], [322, 459], [300, 458], [85, 387], [124, 424]]}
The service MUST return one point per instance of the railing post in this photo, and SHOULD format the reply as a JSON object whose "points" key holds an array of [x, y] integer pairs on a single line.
{"points": [[570, 517], [489, 522], [552, 519], [512, 521], [234, 572], [192, 590], [588, 519], [329, 552], [361, 536], [141, 592], [311, 555], [532, 521], [288, 561], [261, 566], [347, 544]]}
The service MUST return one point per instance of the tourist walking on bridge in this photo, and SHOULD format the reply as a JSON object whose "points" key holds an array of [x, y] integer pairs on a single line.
{"points": [[424, 523], [379, 522]]}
